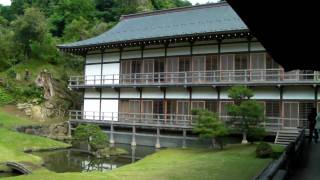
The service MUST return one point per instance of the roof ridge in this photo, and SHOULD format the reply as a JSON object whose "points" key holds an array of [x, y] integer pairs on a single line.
{"points": [[179, 9]]}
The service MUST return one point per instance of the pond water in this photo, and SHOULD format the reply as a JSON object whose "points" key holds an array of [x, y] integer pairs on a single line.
{"points": [[75, 160]]}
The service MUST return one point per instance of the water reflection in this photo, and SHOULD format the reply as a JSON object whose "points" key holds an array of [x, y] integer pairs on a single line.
{"points": [[76, 160]]}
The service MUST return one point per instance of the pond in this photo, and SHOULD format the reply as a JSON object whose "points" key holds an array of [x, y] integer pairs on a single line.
{"points": [[77, 160]]}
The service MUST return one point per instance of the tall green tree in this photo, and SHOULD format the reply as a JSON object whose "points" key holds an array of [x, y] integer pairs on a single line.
{"points": [[65, 11], [247, 114], [28, 28], [6, 45], [208, 125]]}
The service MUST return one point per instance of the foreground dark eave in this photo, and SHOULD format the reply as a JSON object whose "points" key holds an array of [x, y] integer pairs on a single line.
{"points": [[203, 22], [287, 29]]}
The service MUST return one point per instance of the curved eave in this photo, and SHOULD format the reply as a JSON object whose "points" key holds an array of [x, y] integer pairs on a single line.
{"points": [[243, 33]]}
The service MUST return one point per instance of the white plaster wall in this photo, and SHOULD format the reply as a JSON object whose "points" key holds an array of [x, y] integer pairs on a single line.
{"points": [[224, 93], [238, 47], [111, 73], [256, 46], [94, 58], [93, 74], [177, 93], [303, 93], [204, 93], [91, 93], [178, 51], [131, 54], [205, 49], [154, 53], [111, 57], [129, 93], [109, 110], [109, 93], [152, 93], [266, 93], [91, 109]]}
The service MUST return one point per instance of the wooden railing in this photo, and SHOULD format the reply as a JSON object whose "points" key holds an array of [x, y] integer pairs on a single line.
{"points": [[167, 120], [286, 162], [198, 77]]}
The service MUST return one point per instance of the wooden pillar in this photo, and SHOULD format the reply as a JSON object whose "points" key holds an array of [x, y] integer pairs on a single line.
{"points": [[158, 139], [281, 106], [111, 135], [315, 95], [133, 154], [69, 129], [184, 140], [133, 142]]}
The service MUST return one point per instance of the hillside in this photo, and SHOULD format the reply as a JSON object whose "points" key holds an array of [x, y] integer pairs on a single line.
{"points": [[30, 32]]}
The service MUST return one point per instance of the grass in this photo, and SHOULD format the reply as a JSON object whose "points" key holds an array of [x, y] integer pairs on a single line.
{"points": [[10, 121], [13, 144], [235, 162]]}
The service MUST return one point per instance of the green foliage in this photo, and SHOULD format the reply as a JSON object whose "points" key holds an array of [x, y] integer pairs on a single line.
{"points": [[92, 134], [264, 150], [209, 126], [25, 93], [246, 114], [256, 134], [5, 98], [240, 93], [79, 25], [30, 27], [165, 4]]}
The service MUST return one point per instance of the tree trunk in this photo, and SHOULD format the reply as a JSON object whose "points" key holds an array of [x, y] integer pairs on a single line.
{"points": [[244, 138]]}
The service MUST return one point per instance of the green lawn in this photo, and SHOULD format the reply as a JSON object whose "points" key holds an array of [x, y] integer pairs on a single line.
{"points": [[10, 121], [235, 162], [12, 144]]}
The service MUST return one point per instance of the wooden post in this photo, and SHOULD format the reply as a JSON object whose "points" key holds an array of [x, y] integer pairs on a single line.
{"points": [[133, 154], [158, 139], [133, 142], [184, 140], [111, 135]]}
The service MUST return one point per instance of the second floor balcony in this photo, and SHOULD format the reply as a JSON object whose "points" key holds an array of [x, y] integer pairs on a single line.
{"points": [[198, 78], [176, 121]]}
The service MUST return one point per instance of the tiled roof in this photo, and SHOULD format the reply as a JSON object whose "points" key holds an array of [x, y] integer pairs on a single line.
{"points": [[209, 18]]}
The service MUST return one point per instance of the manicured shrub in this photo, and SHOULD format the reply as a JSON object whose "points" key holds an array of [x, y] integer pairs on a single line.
{"points": [[93, 135], [264, 150]]}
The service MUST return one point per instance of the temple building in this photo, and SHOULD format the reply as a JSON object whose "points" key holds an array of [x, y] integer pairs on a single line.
{"points": [[151, 69]]}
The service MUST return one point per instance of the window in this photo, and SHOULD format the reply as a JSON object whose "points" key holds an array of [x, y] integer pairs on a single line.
{"points": [[198, 68], [272, 109], [212, 106], [184, 64], [270, 63], [136, 66], [227, 67], [258, 67], [241, 63], [212, 63], [198, 105]]}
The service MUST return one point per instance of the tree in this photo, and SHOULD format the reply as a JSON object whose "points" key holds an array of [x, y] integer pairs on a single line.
{"points": [[93, 135], [246, 114], [65, 11], [6, 45], [30, 27], [209, 126]]}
